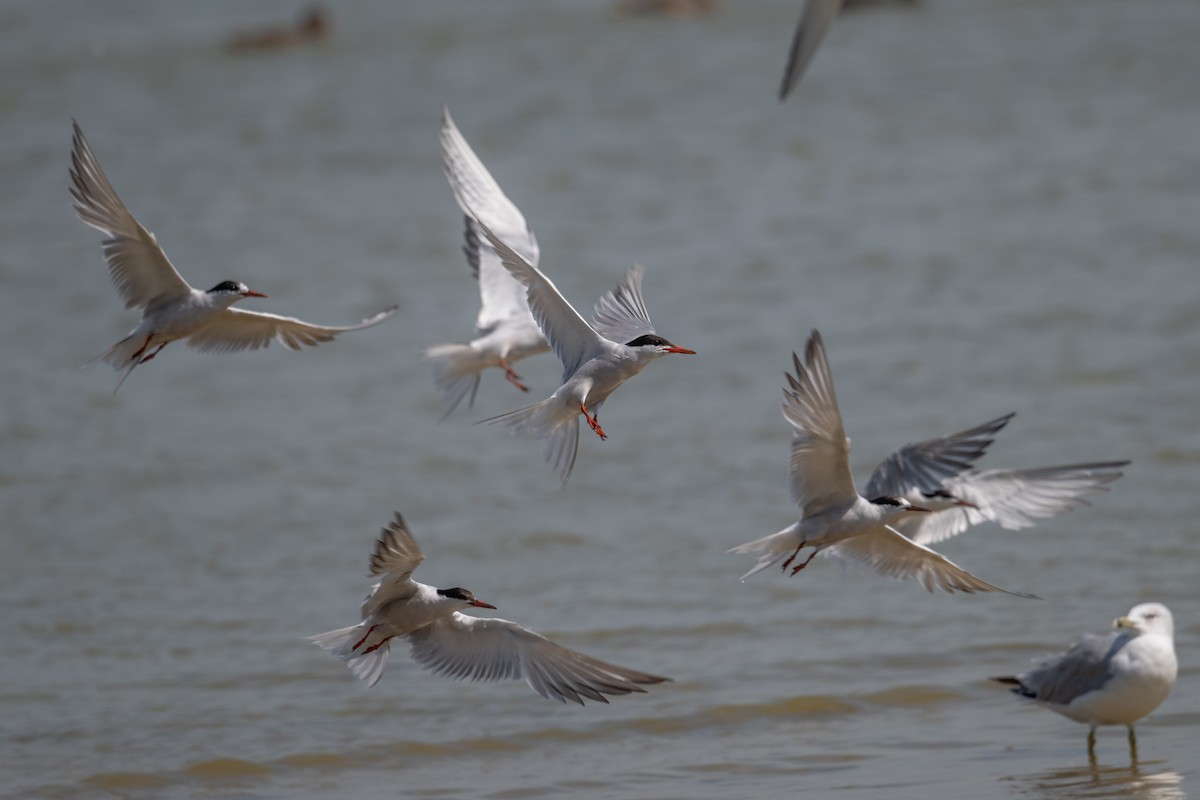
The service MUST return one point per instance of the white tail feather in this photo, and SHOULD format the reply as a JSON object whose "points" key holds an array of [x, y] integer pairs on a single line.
{"points": [[368, 660], [123, 357], [770, 549], [545, 420], [456, 369]]}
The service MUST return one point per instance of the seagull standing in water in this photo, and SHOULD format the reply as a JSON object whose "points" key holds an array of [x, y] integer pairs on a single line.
{"points": [[505, 331], [1114, 678], [596, 358], [171, 308], [834, 517], [458, 646], [939, 475]]}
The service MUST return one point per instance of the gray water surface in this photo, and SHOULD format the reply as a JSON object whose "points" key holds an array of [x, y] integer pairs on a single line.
{"points": [[984, 205]]}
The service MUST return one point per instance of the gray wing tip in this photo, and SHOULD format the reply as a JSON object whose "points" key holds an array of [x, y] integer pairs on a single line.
{"points": [[649, 680], [384, 314], [370, 321], [395, 538], [785, 86]]}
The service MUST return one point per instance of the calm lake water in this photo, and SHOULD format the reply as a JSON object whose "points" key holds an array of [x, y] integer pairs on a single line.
{"points": [[984, 205]]}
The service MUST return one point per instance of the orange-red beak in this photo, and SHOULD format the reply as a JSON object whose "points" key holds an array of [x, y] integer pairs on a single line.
{"points": [[481, 604], [683, 350], [254, 294]]}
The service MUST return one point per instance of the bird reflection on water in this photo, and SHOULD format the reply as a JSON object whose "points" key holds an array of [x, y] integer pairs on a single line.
{"points": [[1148, 780]]}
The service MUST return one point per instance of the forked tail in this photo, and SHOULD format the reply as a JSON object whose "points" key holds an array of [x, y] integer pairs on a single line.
{"points": [[770, 549], [456, 369], [547, 420], [365, 650], [123, 357]]}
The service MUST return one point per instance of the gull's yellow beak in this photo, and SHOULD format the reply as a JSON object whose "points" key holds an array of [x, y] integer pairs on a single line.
{"points": [[1123, 622]]}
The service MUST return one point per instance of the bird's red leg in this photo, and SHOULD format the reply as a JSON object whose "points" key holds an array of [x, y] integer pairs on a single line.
{"points": [[366, 635], [156, 352], [595, 423], [805, 564], [792, 557], [512, 376], [141, 350], [375, 647]]}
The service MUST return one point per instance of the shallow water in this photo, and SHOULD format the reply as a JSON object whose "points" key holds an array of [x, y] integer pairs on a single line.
{"points": [[984, 206]]}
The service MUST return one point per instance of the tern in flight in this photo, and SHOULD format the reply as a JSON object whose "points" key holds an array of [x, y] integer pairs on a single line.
{"points": [[455, 645], [171, 308], [939, 475], [596, 358], [834, 517]]}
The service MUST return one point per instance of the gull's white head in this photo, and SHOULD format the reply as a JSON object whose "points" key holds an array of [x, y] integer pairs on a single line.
{"points": [[1148, 618]]}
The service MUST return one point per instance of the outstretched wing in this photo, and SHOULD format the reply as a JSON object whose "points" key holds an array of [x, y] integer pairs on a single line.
{"points": [[924, 466], [490, 649], [237, 329], [1014, 498], [569, 335], [889, 553], [502, 298], [820, 462], [621, 315], [395, 557], [138, 267]]}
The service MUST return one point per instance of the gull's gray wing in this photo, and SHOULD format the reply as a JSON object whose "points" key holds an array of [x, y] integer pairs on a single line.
{"points": [[139, 268], [924, 466], [620, 315], [491, 649], [237, 329], [1085, 667]]}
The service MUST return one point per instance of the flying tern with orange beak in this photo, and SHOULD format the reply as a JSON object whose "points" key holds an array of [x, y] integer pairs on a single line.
{"points": [[171, 308], [455, 645], [834, 517], [596, 358]]}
